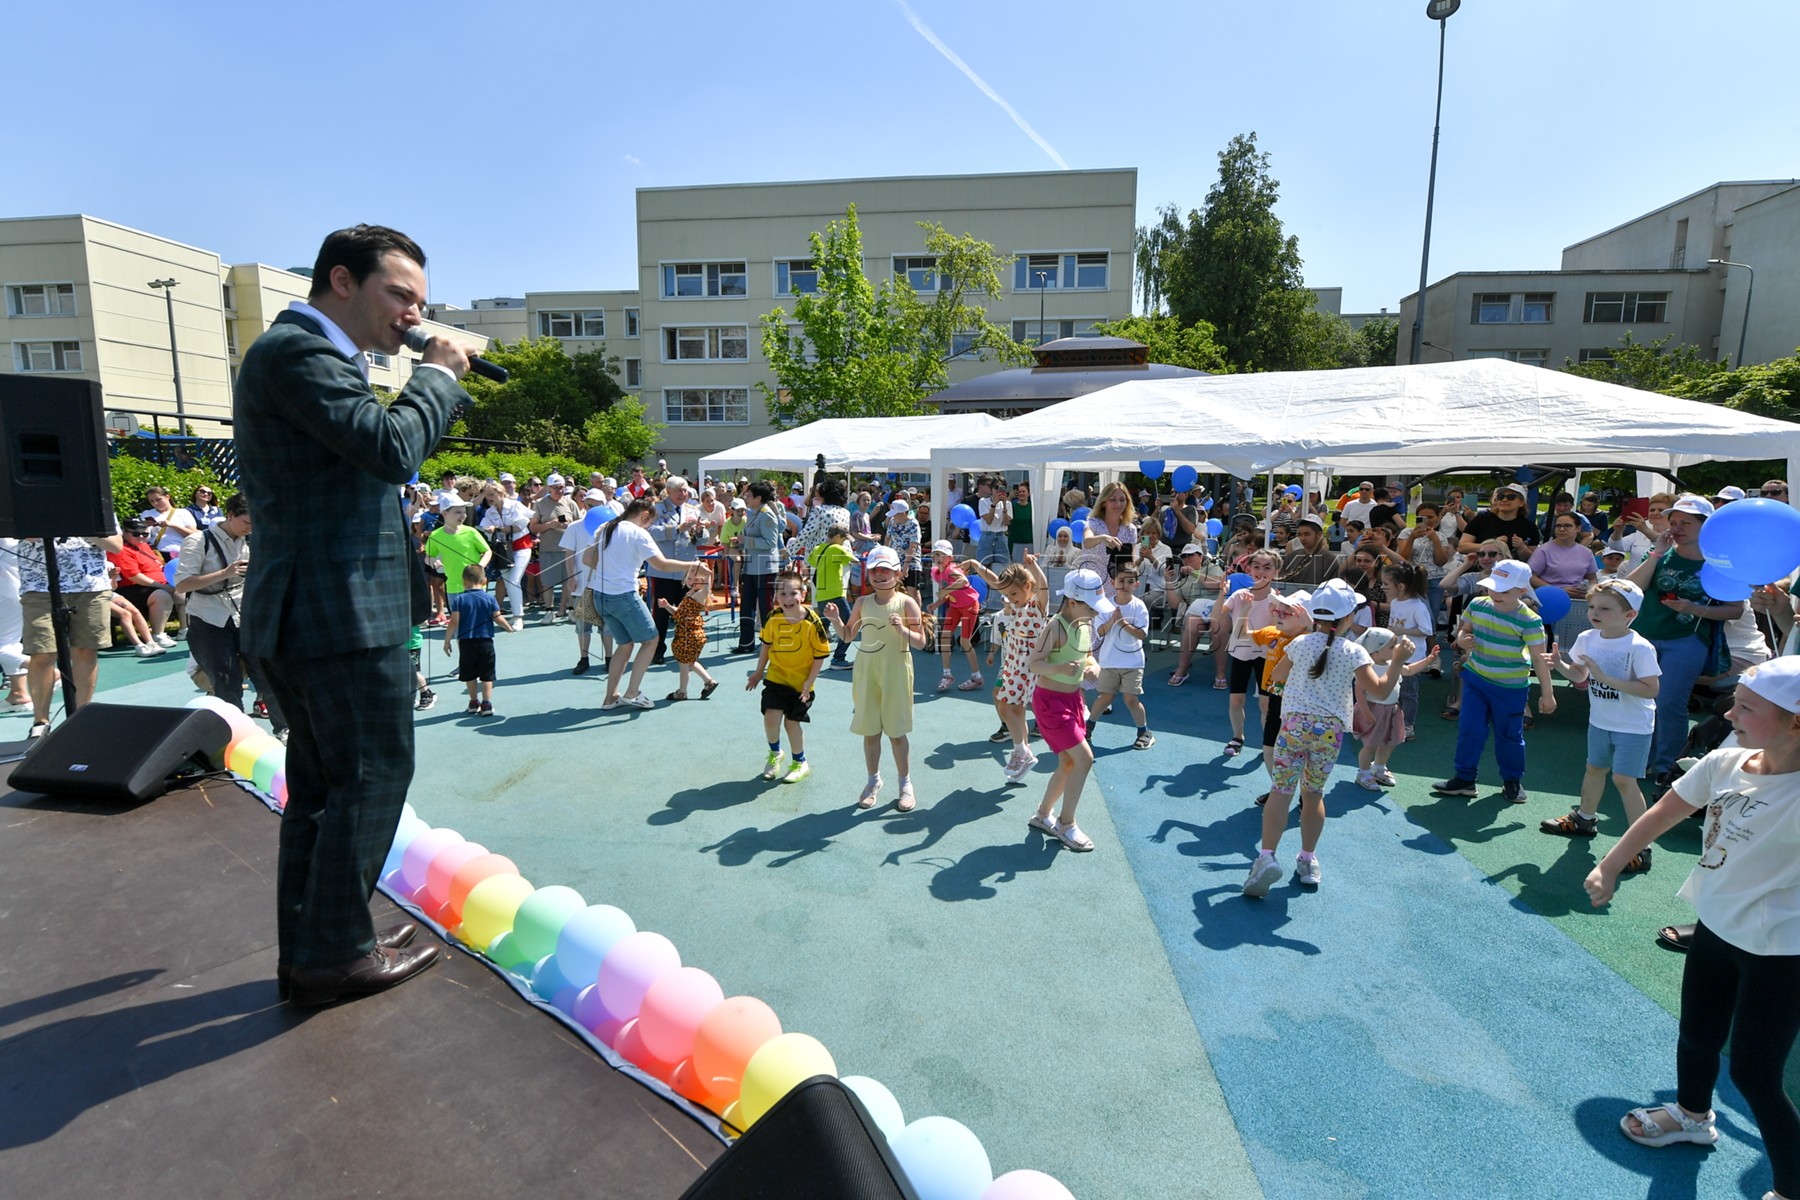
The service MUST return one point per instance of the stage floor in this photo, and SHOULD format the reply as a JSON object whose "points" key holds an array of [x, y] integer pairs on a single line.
{"points": [[143, 1052]]}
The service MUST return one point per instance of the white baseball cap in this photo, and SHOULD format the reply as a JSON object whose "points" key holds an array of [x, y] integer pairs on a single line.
{"points": [[609, 481], [1378, 639], [1334, 600], [1313, 519], [882, 556], [899, 506], [1509, 575], [555, 480], [1087, 587], [1777, 681], [450, 502], [739, 504], [596, 496], [943, 547], [1192, 548], [1693, 506], [507, 477], [1634, 595], [1514, 488], [1300, 600], [1730, 491]]}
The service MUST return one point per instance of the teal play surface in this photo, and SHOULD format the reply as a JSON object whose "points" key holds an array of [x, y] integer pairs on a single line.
{"points": [[1445, 1016]]}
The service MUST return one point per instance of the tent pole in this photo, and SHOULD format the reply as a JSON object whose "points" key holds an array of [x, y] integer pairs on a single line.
{"points": [[1269, 513]]}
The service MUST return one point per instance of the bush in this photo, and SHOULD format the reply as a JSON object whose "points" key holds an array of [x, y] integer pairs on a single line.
{"points": [[523, 465], [132, 476]]}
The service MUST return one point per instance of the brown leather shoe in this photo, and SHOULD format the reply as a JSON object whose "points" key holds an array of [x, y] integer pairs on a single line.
{"points": [[376, 971], [391, 938]]}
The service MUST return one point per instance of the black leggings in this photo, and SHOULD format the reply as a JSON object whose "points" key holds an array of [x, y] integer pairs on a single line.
{"points": [[1754, 1000]]}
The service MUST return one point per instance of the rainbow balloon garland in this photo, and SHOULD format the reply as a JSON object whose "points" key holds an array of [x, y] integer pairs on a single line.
{"points": [[726, 1059]]}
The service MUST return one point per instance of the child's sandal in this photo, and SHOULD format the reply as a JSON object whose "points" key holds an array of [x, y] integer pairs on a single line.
{"points": [[1233, 747], [707, 691], [677, 696]]}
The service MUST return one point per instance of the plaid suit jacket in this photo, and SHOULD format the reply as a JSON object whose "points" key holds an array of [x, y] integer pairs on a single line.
{"points": [[332, 565]]}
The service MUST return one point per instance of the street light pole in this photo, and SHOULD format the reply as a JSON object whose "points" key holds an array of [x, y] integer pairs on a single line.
{"points": [[1439, 11], [167, 287], [1749, 290]]}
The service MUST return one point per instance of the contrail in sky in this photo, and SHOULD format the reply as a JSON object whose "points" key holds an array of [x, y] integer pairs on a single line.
{"points": [[937, 44]]}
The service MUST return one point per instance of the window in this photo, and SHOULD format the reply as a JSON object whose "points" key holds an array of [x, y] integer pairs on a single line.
{"points": [[231, 338], [585, 323], [1033, 333], [703, 343], [795, 275], [631, 323], [1603, 355], [687, 281], [1513, 308], [634, 372], [1531, 358], [706, 406], [962, 343], [920, 272], [227, 296], [48, 356], [1088, 271], [1626, 308], [40, 300], [377, 359]]}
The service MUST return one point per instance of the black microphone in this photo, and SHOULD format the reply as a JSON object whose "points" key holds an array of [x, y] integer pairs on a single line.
{"points": [[417, 339]]}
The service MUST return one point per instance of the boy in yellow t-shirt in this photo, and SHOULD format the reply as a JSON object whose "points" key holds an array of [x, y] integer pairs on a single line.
{"points": [[830, 562], [794, 648]]}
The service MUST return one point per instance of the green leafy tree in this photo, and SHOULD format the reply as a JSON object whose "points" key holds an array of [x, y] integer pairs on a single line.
{"points": [[549, 398], [1653, 366], [876, 350], [619, 433], [1155, 245], [1380, 341], [1168, 341]]}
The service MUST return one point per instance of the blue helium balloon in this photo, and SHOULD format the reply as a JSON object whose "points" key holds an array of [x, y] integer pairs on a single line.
{"points": [[942, 1159], [1152, 467], [169, 569], [1206, 504], [1185, 478], [584, 940], [1078, 532], [964, 517], [1081, 514], [547, 978], [1214, 526], [1753, 541], [1723, 587], [594, 518], [1236, 580], [1293, 489], [1553, 604], [980, 586], [1055, 525], [1170, 525]]}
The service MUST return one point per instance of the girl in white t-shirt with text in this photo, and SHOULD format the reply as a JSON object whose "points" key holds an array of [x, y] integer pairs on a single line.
{"points": [[1410, 615], [1245, 611], [1319, 679], [1742, 978], [1620, 669]]}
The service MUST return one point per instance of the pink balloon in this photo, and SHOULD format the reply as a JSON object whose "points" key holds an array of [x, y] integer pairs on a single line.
{"points": [[635, 961], [1026, 1185], [672, 1010], [608, 1031], [419, 853], [444, 865], [631, 1048]]}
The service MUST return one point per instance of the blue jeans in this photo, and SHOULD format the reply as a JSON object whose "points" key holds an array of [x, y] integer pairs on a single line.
{"points": [[1485, 703], [1681, 660], [993, 550], [842, 604], [1434, 600]]}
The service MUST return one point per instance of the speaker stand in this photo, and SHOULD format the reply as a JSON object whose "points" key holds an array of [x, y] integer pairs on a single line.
{"points": [[59, 623]]}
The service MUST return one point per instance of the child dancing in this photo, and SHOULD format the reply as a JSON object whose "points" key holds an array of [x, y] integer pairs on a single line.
{"points": [[1062, 661], [1027, 595], [690, 630], [888, 627]]}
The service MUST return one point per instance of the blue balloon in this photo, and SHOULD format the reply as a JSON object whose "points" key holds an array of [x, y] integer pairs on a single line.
{"points": [[1752, 541], [980, 586], [1185, 478], [1152, 467], [1721, 586], [1079, 515], [964, 517], [1170, 525], [169, 569], [1236, 580], [1077, 532], [1214, 526], [1553, 604], [1055, 525], [1206, 504], [594, 518], [1293, 489]]}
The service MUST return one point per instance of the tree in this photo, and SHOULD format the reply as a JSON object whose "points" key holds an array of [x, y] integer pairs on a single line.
{"points": [[1168, 341], [619, 433], [1233, 266], [866, 350], [549, 398], [1654, 367], [1154, 244]]}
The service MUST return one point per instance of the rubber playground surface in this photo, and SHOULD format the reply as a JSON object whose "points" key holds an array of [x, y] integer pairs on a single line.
{"points": [[1444, 1016]]}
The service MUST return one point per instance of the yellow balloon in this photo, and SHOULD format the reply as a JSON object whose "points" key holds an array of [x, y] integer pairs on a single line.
{"points": [[772, 1072], [241, 759], [491, 907]]}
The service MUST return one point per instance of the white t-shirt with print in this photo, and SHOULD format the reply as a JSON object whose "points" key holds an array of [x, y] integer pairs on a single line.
{"points": [[621, 559], [1630, 657], [1121, 650], [1746, 886], [1413, 618], [1333, 694]]}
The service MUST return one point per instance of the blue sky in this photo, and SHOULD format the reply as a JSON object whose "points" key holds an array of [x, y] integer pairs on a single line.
{"points": [[509, 142]]}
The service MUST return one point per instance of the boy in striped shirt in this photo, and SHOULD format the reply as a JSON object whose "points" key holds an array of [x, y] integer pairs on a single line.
{"points": [[1503, 640]]}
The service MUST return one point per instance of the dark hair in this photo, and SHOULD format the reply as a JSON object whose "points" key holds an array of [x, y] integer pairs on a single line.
{"points": [[639, 505], [831, 490], [1412, 577], [473, 574], [763, 490], [237, 505], [1318, 667], [358, 249], [1425, 505]]}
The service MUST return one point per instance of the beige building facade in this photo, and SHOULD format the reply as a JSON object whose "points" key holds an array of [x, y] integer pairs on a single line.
{"points": [[1650, 277], [78, 304]]}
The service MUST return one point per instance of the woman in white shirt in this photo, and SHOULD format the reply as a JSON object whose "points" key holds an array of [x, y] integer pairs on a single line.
{"points": [[612, 562], [1742, 977], [508, 516]]}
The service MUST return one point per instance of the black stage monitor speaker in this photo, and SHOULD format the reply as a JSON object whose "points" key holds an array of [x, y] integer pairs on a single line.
{"points": [[56, 480], [817, 1143], [122, 752]]}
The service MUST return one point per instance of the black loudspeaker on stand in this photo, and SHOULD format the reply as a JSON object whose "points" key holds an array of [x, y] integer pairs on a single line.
{"points": [[817, 1143], [56, 482], [122, 752]]}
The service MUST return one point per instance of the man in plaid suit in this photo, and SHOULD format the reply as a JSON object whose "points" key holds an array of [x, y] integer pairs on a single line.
{"points": [[334, 588]]}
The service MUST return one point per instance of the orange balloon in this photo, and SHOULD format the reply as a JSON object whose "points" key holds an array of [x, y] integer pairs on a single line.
{"points": [[688, 1087], [472, 873], [444, 866], [734, 1030]]}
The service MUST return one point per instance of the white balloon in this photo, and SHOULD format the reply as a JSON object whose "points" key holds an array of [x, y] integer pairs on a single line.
{"points": [[883, 1108]]}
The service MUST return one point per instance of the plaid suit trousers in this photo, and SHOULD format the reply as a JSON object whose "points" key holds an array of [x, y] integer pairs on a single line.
{"points": [[349, 763]]}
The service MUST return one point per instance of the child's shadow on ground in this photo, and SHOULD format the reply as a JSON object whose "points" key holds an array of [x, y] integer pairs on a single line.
{"points": [[1203, 779], [790, 841], [967, 878], [1451, 820], [947, 755], [716, 797], [1225, 919], [937, 820]]}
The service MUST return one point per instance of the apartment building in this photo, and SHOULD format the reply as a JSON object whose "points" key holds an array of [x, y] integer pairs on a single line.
{"points": [[1650, 277], [79, 303]]}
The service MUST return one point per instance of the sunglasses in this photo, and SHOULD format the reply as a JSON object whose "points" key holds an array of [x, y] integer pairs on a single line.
{"points": [[1487, 554], [1774, 491]]}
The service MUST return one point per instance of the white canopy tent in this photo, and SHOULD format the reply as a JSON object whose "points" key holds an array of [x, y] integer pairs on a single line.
{"points": [[1411, 420]]}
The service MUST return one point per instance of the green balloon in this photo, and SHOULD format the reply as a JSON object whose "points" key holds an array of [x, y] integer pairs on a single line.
{"points": [[262, 772], [503, 952], [542, 917]]}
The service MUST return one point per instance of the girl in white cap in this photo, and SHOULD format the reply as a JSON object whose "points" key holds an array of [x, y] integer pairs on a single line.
{"points": [[888, 627], [1742, 977], [1062, 662], [1318, 681]]}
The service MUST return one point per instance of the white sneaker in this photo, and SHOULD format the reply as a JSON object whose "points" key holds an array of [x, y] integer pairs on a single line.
{"points": [[164, 640], [1263, 874], [150, 650], [772, 765], [1020, 763], [639, 700], [1307, 872]]}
